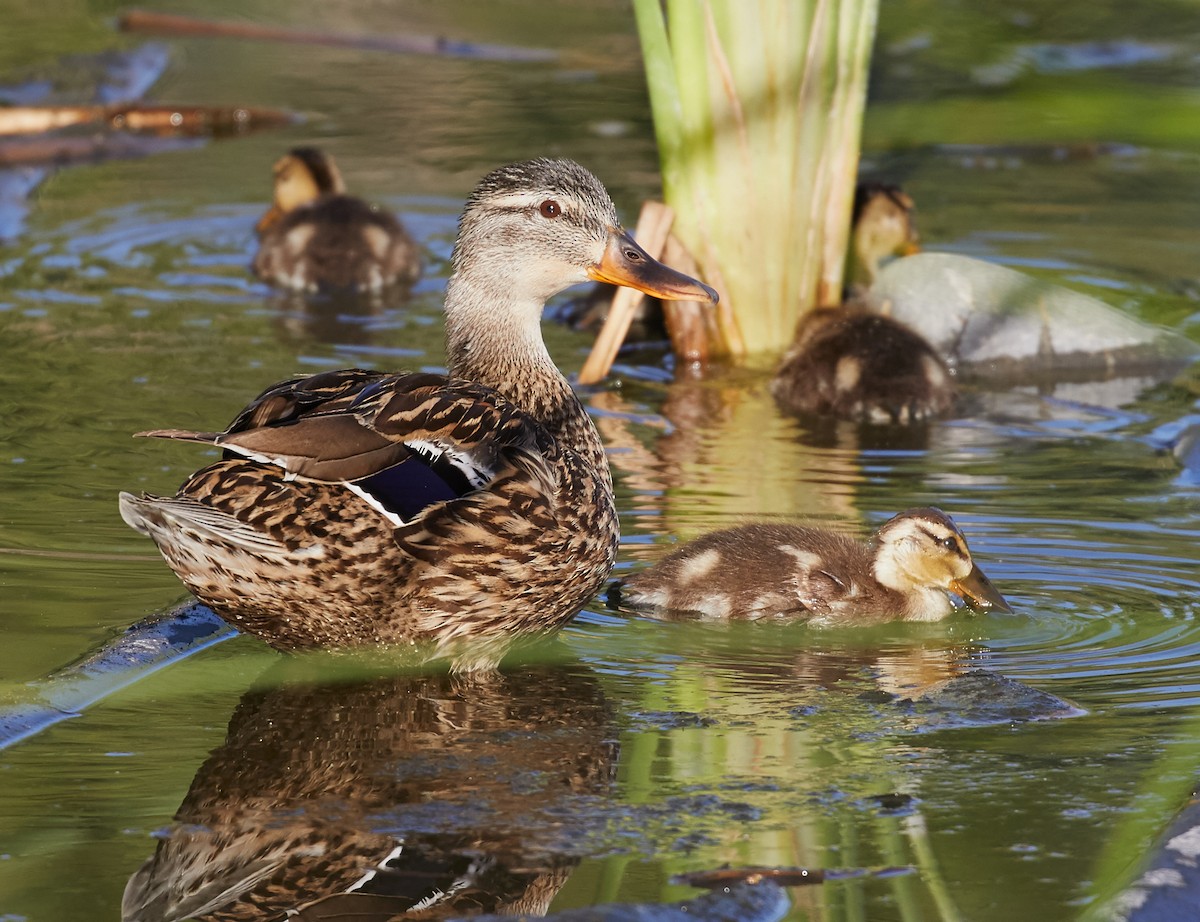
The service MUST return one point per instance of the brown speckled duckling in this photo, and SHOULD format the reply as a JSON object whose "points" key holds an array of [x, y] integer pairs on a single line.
{"points": [[852, 362], [360, 508], [315, 237], [905, 573]]}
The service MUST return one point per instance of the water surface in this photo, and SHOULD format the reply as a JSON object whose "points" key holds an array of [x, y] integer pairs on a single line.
{"points": [[665, 747]]}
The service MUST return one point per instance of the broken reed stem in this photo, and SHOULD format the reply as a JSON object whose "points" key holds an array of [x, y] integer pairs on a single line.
{"points": [[688, 322], [653, 226]]}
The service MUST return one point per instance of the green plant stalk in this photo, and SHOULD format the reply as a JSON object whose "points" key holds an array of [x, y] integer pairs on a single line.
{"points": [[758, 108]]}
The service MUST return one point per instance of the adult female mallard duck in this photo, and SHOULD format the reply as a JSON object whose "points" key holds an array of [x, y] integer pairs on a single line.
{"points": [[357, 507], [316, 237], [907, 572], [853, 362]]}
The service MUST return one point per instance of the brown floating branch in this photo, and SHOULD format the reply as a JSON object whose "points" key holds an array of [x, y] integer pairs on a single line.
{"points": [[31, 135], [653, 227], [193, 27], [723, 877], [157, 120]]}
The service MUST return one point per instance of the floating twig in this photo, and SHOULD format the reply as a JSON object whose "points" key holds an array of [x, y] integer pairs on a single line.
{"points": [[194, 27], [160, 120]]}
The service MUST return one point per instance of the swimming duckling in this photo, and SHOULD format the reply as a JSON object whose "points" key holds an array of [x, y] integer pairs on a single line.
{"points": [[360, 508], [905, 573], [316, 237], [855, 363]]}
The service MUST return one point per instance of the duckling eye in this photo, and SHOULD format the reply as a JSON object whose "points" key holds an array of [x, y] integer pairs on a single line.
{"points": [[949, 543], [550, 208]]}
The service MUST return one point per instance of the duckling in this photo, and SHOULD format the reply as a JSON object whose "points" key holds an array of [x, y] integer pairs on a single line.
{"points": [[852, 362], [881, 225], [907, 572], [358, 507], [316, 237]]}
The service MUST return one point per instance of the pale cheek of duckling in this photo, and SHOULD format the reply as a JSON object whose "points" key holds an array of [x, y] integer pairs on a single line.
{"points": [[907, 566], [940, 570]]}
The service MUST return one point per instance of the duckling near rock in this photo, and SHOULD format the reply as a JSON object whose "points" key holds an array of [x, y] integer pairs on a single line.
{"points": [[907, 572], [315, 237], [855, 363], [360, 508]]}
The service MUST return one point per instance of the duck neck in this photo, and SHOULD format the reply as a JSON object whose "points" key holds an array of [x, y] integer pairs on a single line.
{"points": [[494, 337]]}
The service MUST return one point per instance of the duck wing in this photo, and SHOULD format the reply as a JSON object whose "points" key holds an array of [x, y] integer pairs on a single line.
{"points": [[401, 441]]}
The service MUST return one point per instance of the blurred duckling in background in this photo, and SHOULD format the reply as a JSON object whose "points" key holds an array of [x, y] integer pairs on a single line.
{"points": [[881, 226], [907, 572], [315, 237], [852, 362]]}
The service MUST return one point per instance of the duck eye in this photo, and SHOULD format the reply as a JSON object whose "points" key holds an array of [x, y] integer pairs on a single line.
{"points": [[949, 543], [550, 208]]}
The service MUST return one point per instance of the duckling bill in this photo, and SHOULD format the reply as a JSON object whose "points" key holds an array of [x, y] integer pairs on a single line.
{"points": [[316, 237], [909, 571], [357, 507]]}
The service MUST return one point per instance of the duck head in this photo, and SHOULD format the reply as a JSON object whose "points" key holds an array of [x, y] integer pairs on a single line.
{"points": [[922, 554], [302, 175], [532, 229]]}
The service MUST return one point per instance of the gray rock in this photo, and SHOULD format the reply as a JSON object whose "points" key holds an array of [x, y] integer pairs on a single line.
{"points": [[981, 699], [996, 322]]}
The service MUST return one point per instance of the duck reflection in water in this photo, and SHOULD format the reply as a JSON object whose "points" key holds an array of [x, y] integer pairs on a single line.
{"points": [[412, 796], [334, 318]]}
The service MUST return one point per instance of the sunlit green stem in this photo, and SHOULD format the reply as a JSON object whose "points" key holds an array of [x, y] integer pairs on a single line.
{"points": [[758, 109]]}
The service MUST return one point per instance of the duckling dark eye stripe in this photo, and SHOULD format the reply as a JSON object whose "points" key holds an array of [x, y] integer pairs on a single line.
{"points": [[958, 545]]}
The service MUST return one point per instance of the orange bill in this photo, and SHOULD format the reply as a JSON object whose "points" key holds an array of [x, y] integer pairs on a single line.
{"points": [[978, 592], [274, 215], [626, 263]]}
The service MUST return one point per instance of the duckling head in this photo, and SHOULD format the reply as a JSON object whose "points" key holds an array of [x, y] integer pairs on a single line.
{"points": [[531, 229], [921, 554], [302, 175], [883, 226]]}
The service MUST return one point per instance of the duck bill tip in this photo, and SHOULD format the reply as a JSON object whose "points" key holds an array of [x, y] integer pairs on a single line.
{"points": [[625, 263], [978, 592]]}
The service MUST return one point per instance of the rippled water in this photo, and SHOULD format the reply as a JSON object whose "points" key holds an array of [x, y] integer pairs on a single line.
{"points": [[651, 748]]}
